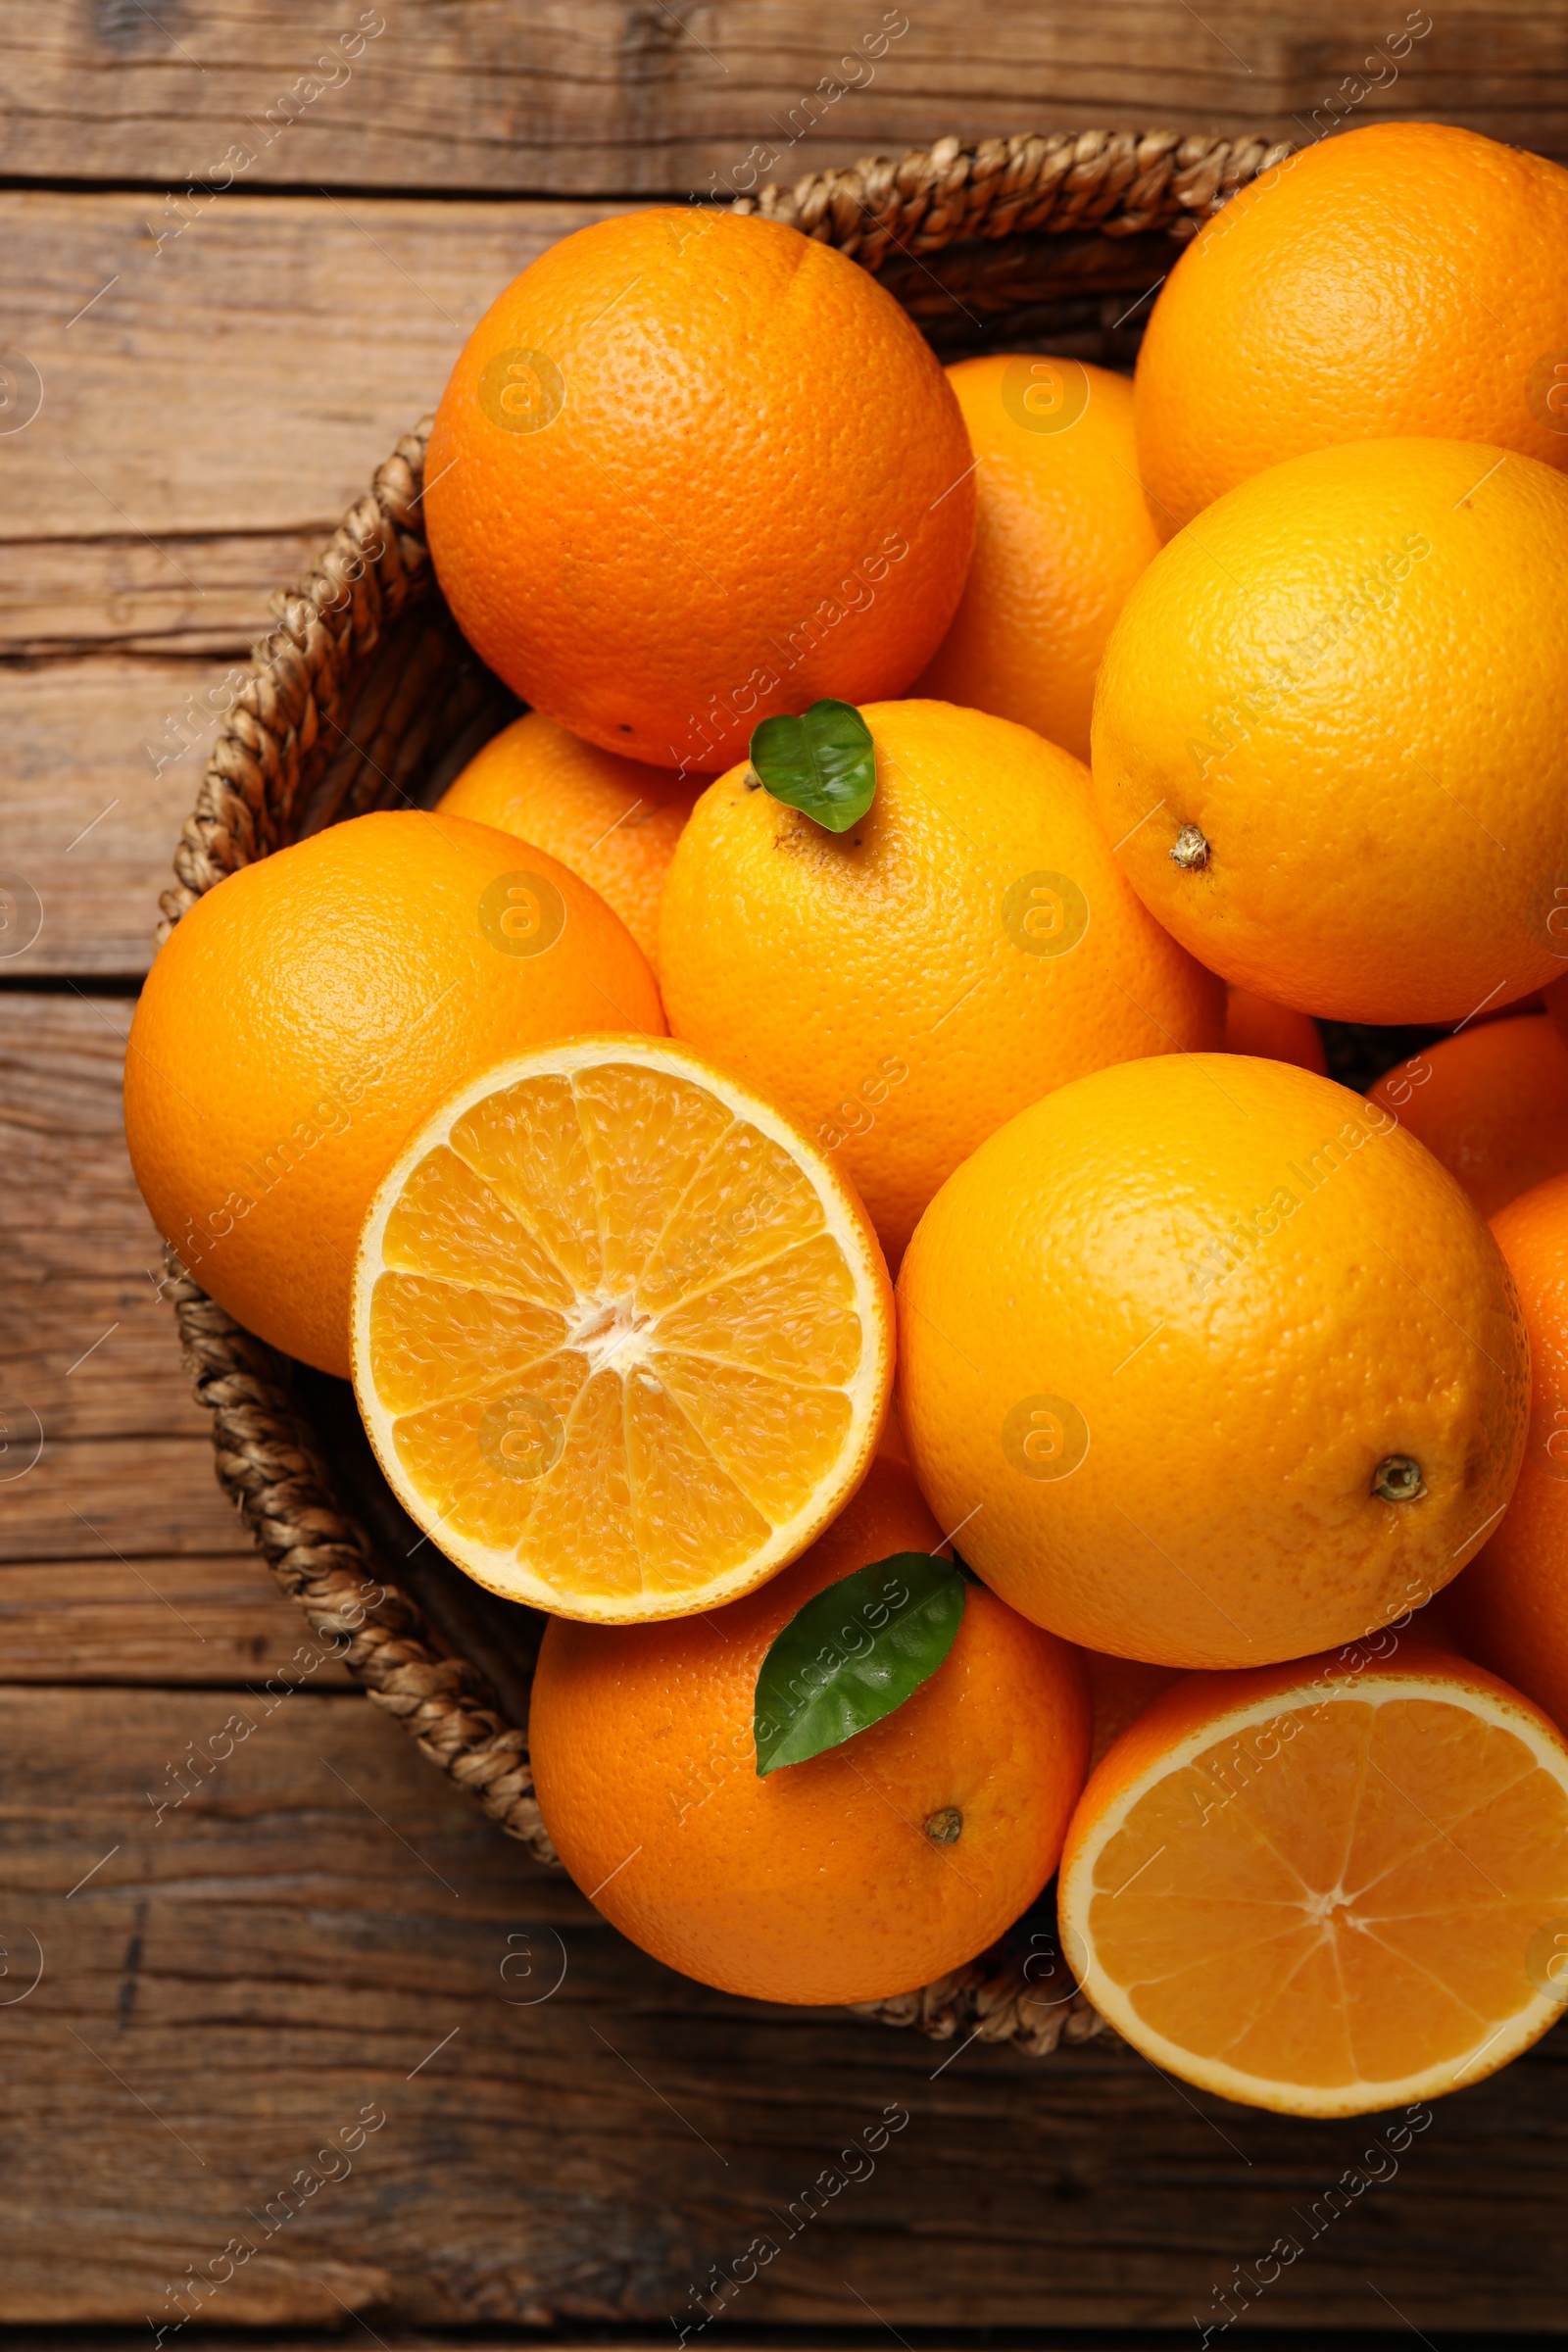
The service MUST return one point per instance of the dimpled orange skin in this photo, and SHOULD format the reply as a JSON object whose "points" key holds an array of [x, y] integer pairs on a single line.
{"points": [[1511, 1607], [1492, 1103], [869, 983], [749, 486], [1277, 1032], [305, 1017], [1406, 279], [1158, 1333], [1063, 529], [613, 821], [1351, 678], [817, 1883]]}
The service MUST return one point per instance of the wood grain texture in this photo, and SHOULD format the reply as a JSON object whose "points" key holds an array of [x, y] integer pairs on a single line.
{"points": [[322, 1926], [592, 96], [82, 1327], [105, 756], [120, 1559], [191, 596], [105, 1620]]}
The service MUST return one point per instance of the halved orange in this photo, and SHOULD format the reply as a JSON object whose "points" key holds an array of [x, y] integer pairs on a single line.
{"points": [[622, 1336], [1328, 1887]]}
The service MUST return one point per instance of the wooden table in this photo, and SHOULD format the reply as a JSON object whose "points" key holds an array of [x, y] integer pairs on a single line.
{"points": [[309, 1999]]}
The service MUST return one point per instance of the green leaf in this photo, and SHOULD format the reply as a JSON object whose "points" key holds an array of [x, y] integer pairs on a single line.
{"points": [[823, 762], [853, 1654]]}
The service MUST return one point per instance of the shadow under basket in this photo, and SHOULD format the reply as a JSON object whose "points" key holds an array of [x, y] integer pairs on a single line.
{"points": [[365, 695]]}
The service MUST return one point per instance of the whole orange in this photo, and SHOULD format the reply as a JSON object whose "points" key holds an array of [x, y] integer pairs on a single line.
{"points": [[1406, 279], [863, 1872], [903, 988], [1511, 1607], [312, 1010], [1275, 1031], [691, 469], [1063, 529], [1492, 1103], [1216, 1364], [612, 821], [1331, 731]]}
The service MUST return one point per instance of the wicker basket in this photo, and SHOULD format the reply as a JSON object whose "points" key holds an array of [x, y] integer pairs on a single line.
{"points": [[365, 695]]}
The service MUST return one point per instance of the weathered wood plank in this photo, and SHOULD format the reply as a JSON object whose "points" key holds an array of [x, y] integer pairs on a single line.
{"points": [[196, 597], [324, 1928], [586, 96], [106, 1468], [144, 1496], [104, 761], [83, 1334], [107, 1620], [97, 1358]]}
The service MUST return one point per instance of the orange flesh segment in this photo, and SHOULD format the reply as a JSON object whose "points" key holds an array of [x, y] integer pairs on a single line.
{"points": [[1356, 1908], [617, 1334]]}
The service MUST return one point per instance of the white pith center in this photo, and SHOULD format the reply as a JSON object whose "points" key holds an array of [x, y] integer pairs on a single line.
{"points": [[1335, 1907], [612, 1334]]}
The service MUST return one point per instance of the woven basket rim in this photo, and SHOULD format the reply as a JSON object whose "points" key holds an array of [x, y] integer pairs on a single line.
{"points": [[274, 769]]}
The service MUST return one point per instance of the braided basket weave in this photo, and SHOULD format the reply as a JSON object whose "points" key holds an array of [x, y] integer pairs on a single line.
{"points": [[365, 695]]}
